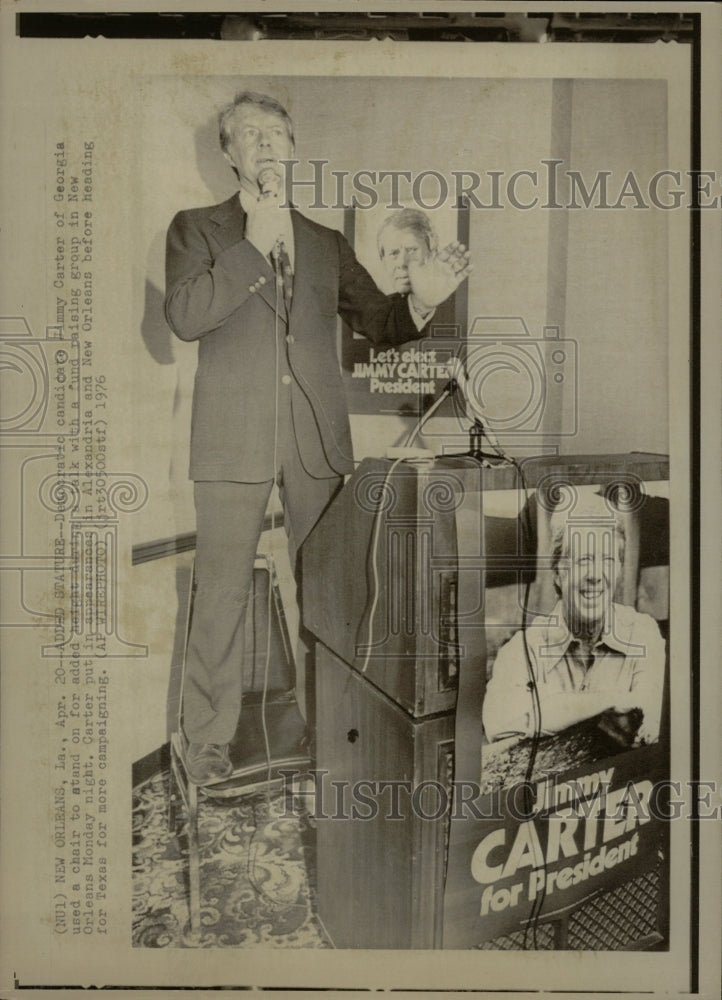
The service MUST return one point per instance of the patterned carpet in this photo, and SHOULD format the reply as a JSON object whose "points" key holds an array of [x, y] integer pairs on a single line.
{"points": [[258, 882], [257, 874]]}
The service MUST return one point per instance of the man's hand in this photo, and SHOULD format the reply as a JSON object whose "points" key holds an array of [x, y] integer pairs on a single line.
{"points": [[438, 276], [646, 735], [622, 727], [624, 702], [267, 222]]}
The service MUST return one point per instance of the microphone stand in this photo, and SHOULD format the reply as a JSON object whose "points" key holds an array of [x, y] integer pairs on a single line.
{"points": [[448, 390], [476, 433]]}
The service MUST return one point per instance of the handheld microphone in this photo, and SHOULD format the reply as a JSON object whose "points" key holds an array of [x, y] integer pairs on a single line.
{"points": [[268, 182]]}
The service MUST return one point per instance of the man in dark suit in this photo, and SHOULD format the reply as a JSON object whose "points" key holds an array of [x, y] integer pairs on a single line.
{"points": [[259, 286]]}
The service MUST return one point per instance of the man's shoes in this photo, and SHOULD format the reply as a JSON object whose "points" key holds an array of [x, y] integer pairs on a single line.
{"points": [[206, 762]]}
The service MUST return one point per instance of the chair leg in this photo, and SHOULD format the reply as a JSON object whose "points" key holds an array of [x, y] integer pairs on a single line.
{"points": [[173, 793], [194, 859]]}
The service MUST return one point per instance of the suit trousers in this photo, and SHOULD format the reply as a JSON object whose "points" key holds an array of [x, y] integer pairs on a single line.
{"points": [[229, 522]]}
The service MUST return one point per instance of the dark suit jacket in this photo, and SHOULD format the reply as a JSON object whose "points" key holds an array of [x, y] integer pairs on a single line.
{"points": [[213, 295]]}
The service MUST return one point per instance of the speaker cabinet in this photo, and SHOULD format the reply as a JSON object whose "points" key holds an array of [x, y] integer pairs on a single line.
{"points": [[381, 853]]}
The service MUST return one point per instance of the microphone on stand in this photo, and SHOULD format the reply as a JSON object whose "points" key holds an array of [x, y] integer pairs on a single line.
{"points": [[448, 390], [458, 374]]}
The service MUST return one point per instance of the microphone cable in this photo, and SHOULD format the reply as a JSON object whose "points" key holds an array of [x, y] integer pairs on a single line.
{"points": [[374, 566], [528, 536], [448, 390], [269, 602], [251, 864], [533, 687]]}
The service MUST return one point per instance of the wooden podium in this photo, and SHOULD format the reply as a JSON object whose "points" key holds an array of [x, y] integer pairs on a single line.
{"points": [[385, 715], [398, 592]]}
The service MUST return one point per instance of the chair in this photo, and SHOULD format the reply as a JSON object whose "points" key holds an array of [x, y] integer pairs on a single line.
{"points": [[271, 734]]}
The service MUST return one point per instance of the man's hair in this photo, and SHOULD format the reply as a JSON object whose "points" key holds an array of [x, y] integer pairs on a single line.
{"points": [[249, 98], [412, 219]]}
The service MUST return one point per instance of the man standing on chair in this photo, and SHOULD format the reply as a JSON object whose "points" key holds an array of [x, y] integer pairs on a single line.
{"points": [[259, 287]]}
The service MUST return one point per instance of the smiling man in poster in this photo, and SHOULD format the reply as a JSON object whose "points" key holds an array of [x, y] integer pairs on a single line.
{"points": [[590, 656]]}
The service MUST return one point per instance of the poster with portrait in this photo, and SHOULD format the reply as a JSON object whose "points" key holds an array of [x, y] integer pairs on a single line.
{"points": [[573, 684], [574, 154], [388, 237]]}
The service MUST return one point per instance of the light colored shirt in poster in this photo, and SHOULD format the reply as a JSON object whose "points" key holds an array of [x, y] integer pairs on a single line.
{"points": [[629, 656]]}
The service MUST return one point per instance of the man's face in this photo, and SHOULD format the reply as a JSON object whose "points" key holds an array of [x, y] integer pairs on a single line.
{"points": [[259, 140], [398, 247], [587, 576]]}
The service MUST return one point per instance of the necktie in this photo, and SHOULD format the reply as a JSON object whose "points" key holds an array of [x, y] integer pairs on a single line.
{"points": [[284, 274]]}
